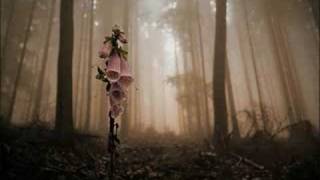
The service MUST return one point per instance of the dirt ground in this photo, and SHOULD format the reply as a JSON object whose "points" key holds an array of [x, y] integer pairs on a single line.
{"points": [[35, 154]]}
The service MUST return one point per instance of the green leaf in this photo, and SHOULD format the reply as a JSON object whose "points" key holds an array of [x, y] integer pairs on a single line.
{"points": [[100, 71]]}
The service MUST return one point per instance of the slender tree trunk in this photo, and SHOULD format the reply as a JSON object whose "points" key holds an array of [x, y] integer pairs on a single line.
{"points": [[36, 109], [203, 70], [280, 67], [231, 104], [22, 58], [179, 90], [4, 46], [219, 94], [8, 28], [127, 115], [79, 64], [186, 93], [257, 122], [300, 101], [30, 101], [152, 112], [194, 86], [89, 84], [136, 68], [64, 118], [247, 79], [289, 68], [84, 74], [315, 10]]}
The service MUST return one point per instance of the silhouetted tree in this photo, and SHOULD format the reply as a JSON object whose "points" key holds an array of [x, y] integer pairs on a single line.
{"points": [[5, 44], [219, 93], [203, 70], [315, 10], [40, 81], [64, 118], [22, 58], [89, 85]]}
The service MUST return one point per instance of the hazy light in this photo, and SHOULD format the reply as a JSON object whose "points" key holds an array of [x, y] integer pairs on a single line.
{"points": [[213, 6], [96, 23], [154, 24], [21, 45], [173, 5], [146, 34]]}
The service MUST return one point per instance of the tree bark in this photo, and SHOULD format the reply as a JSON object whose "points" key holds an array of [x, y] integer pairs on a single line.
{"points": [[22, 58], [257, 122], [203, 70], [219, 94], [4, 46], [89, 84], [194, 89], [315, 10], [231, 104], [36, 109], [64, 117], [79, 64], [126, 117]]}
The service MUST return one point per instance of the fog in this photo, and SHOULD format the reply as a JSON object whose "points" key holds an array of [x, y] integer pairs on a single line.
{"points": [[271, 72]]}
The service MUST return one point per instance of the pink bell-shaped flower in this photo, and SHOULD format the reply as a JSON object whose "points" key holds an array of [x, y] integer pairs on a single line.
{"points": [[105, 50], [122, 38], [116, 109], [125, 75], [113, 68], [117, 94]]}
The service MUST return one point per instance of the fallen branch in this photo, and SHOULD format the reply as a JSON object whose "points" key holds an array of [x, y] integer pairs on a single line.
{"points": [[304, 124], [247, 161]]}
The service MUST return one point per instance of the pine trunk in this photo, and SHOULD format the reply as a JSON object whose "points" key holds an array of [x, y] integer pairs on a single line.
{"points": [[203, 70], [40, 81], [64, 118], [89, 84], [219, 94], [22, 58]]}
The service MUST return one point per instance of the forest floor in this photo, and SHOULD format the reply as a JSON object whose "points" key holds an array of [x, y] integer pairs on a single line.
{"points": [[33, 153]]}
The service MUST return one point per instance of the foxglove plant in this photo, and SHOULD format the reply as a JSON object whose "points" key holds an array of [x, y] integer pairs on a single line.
{"points": [[117, 76], [113, 67], [125, 74], [105, 50]]}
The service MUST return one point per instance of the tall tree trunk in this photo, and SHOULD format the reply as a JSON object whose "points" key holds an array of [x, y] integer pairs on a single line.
{"points": [[35, 64], [84, 74], [257, 122], [136, 68], [4, 46], [203, 70], [297, 85], [89, 85], [22, 58], [231, 104], [8, 26], [179, 89], [219, 94], [152, 110], [286, 91], [39, 86], [79, 64], [64, 118], [194, 87], [127, 115], [315, 10], [294, 88]]}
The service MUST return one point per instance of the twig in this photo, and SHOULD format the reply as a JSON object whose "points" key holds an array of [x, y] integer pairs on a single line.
{"points": [[247, 161]]}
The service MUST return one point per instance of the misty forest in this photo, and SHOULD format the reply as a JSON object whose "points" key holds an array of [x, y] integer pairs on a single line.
{"points": [[159, 89]]}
